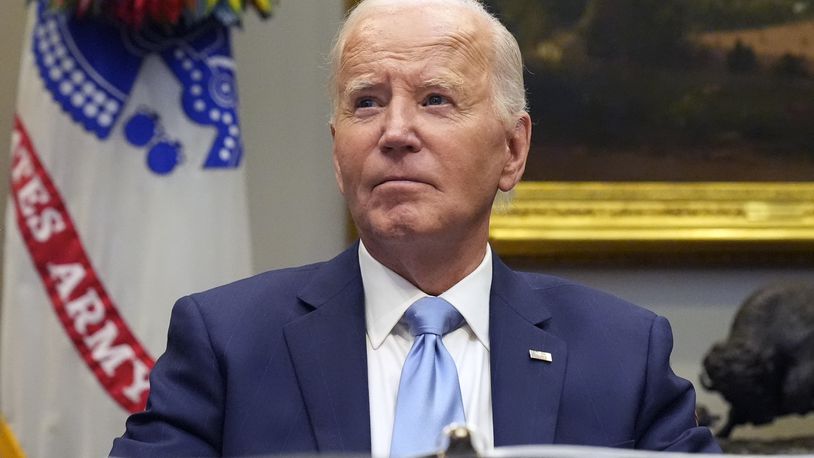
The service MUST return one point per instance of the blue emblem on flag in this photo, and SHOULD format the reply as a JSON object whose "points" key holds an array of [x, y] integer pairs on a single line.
{"points": [[90, 68]]}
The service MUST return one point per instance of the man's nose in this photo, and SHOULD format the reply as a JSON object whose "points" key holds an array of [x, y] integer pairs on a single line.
{"points": [[399, 130]]}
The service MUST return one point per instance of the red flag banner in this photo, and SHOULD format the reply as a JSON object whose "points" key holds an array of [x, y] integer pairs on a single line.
{"points": [[84, 308]]}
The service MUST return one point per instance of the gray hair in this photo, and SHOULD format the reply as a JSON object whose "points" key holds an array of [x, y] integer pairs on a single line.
{"points": [[508, 92]]}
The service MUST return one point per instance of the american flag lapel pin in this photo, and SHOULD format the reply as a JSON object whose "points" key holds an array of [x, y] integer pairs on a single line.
{"points": [[540, 355]]}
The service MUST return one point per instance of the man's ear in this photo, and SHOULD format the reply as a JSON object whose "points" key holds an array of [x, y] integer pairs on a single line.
{"points": [[518, 142], [337, 168]]}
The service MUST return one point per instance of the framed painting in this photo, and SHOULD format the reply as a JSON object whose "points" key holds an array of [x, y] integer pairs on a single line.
{"points": [[664, 129]]}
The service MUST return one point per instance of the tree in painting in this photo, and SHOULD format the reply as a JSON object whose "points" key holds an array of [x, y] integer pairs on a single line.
{"points": [[668, 89]]}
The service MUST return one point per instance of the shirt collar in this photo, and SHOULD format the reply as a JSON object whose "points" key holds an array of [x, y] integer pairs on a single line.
{"points": [[388, 296]]}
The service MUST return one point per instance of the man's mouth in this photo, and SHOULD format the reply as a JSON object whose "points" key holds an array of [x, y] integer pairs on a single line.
{"points": [[400, 179]]}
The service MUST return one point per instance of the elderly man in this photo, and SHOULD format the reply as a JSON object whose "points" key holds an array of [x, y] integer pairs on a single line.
{"points": [[419, 324]]}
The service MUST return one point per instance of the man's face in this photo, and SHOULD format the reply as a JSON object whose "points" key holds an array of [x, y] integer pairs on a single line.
{"points": [[418, 147]]}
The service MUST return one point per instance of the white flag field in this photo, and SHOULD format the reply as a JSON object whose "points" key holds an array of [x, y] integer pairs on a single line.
{"points": [[127, 191]]}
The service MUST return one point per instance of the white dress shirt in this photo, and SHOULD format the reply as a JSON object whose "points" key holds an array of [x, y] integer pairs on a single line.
{"points": [[387, 297]]}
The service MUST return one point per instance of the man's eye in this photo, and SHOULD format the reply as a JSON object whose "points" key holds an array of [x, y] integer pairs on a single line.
{"points": [[436, 99], [366, 102]]}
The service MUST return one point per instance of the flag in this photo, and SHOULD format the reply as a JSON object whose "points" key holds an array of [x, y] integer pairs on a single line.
{"points": [[127, 192]]}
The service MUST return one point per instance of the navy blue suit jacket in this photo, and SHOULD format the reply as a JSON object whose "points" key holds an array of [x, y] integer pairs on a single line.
{"points": [[277, 364]]}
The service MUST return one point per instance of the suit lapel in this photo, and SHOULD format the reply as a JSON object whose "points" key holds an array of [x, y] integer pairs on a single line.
{"points": [[525, 392], [327, 347]]}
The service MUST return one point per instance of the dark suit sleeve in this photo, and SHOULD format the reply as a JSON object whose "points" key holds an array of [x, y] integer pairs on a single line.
{"points": [[184, 415], [666, 419]]}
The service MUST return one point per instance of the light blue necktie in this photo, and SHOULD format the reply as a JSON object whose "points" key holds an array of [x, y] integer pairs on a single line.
{"points": [[429, 395]]}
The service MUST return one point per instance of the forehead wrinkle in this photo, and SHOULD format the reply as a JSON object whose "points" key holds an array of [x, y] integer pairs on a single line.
{"points": [[471, 46], [457, 47], [358, 67], [458, 41], [456, 32]]}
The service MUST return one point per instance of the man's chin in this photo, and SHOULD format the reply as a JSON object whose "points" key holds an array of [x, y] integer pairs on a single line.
{"points": [[393, 233], [398, 230]]}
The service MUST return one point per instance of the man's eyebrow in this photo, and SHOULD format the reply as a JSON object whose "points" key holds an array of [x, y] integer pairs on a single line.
{"points": [[446, 82], [358, 85], [450, 83]]}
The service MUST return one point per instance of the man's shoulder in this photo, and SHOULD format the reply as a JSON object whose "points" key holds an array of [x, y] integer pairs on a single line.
{"points": [[287, 280], [281, 285], [260, 305], [570, 299], [590, 321]]}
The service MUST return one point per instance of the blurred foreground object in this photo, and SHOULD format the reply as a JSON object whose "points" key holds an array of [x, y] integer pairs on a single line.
{"points": [[167, 13]]}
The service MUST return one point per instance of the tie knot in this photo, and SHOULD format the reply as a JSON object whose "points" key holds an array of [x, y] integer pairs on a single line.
{"points": [[432, 315]]}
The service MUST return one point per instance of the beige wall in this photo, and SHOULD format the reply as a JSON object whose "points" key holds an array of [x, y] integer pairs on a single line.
{"points": [[297, 215], [12, 22]]}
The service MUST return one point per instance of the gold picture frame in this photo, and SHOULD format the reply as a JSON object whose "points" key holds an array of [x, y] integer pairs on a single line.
{"points": [[659, 221]]}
